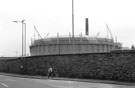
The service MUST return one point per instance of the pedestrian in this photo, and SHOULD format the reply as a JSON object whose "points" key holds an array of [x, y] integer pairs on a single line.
{"points": [[50, 72]]}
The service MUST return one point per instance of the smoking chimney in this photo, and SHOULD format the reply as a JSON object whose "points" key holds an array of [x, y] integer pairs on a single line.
{"points": [[87, 27]]}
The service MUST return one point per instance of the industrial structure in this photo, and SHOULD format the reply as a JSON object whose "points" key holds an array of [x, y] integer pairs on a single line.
{"points": [[73, 45], [63, 45]]}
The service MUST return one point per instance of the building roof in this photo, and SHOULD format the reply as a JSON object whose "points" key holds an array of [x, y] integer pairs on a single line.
{"points": [[69, 40]]}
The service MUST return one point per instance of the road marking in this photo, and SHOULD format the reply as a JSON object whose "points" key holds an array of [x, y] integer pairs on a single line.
{"points": [[8, 80], [4, 84], [21, 78]]}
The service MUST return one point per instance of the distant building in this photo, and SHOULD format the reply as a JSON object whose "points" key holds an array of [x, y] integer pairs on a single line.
{"points": [[133, 47], [7, 58]]}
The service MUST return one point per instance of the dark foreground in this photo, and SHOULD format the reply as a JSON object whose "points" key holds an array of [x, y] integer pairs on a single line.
{"points": [[19, 82]]}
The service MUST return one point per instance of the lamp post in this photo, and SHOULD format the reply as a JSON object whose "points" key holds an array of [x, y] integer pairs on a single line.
{"points": [[23, 37], [16, 53], [23, 42]]}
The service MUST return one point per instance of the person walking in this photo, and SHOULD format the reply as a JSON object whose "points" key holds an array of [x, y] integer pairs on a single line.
{"points": [[50, 72]]}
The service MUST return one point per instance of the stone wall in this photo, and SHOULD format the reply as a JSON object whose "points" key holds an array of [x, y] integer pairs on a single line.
{"points": [[118, 66]]}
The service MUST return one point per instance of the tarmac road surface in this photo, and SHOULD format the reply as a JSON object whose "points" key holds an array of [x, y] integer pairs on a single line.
{"points": [[18, 82]]}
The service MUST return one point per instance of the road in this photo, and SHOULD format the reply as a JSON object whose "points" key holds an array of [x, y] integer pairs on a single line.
{"points": [[18, 82]]}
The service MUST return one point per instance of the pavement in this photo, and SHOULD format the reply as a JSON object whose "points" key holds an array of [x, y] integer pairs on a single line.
{"points": [[71, 79]]}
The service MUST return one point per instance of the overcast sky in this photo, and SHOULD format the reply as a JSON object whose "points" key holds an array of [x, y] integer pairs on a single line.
{"points": [[55, 16]]}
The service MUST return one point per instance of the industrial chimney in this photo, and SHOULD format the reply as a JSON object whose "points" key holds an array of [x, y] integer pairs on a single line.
{"points": [[86, 27]]}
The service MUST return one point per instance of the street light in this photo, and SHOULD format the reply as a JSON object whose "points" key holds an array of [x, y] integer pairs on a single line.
{"points": [[16, 53], [23, 37], [23, 43]]}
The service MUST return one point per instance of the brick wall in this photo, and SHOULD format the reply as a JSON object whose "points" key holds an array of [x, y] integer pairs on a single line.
{"points": [[112, 66]]}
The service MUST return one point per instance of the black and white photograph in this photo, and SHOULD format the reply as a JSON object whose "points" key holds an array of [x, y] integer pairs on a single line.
{"points": [[67, 44]]}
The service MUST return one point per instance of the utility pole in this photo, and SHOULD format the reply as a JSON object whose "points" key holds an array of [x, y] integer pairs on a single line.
{"points": [[73, 26], [23, 44]]}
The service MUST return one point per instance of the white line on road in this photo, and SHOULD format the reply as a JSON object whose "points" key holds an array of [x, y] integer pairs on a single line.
{"points": [[8, 80], [4, 84], [22, 78]]}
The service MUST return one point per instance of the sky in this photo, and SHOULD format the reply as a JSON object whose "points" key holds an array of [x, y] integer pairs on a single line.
{"points": [[55, 16]]}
